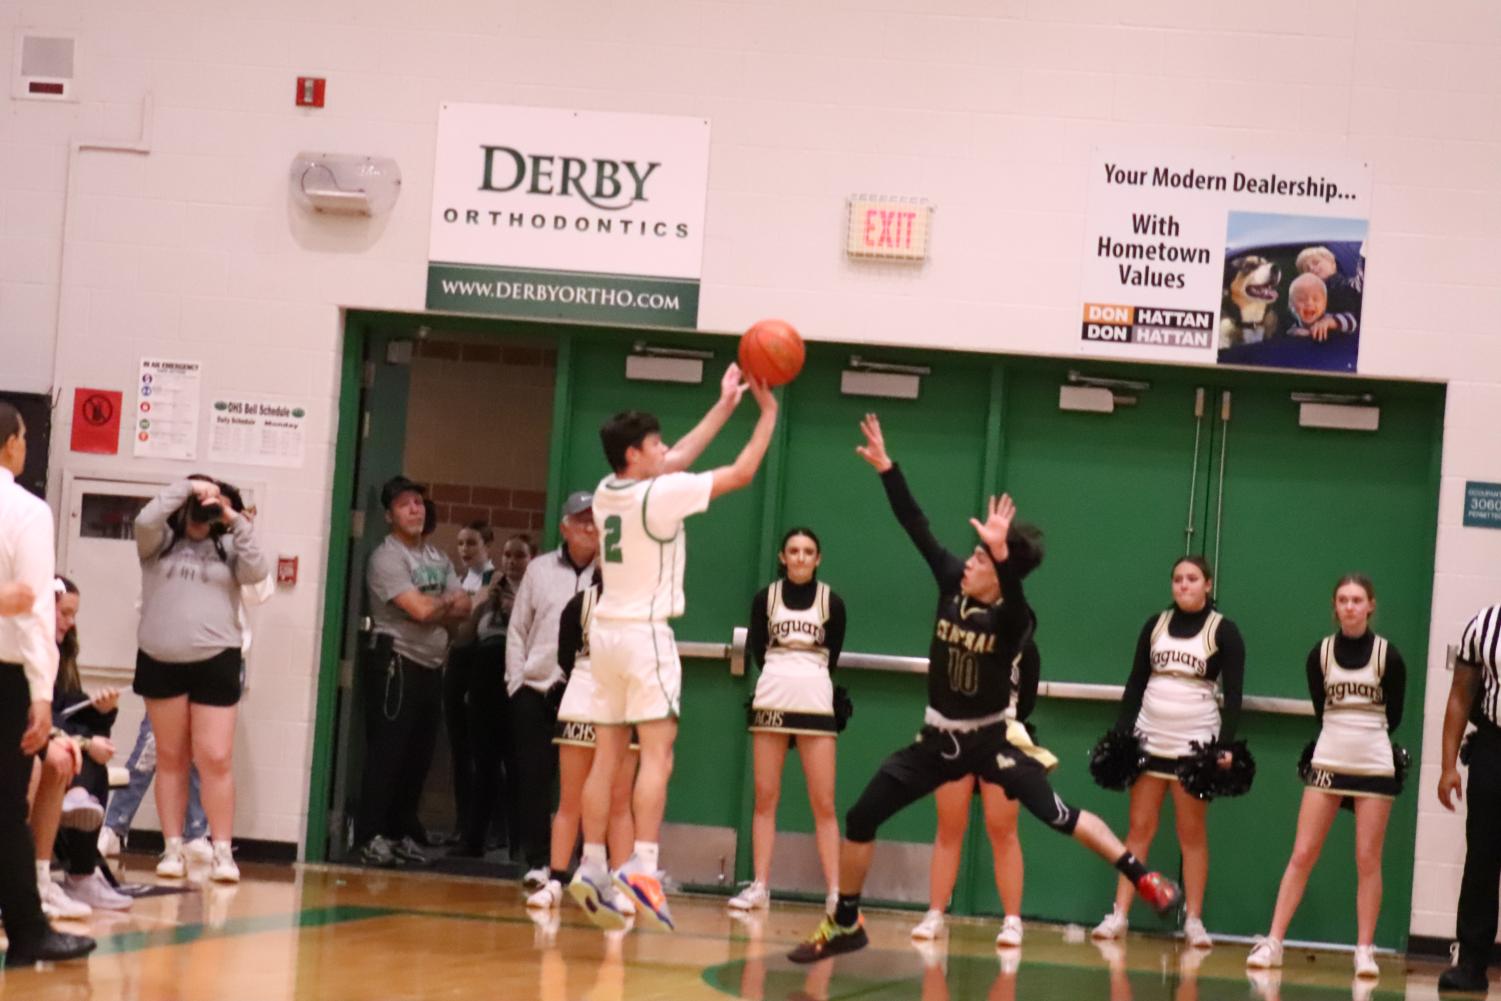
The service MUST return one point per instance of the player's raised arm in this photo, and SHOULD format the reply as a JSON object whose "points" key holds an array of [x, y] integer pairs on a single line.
{"points": [[687, 449], [946, 567], [739, 473]]}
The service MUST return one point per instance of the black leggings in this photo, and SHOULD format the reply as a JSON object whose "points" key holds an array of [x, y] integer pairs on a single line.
{"points": [[940, 756]]}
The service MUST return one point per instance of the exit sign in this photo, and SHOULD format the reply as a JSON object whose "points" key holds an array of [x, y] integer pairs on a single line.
{"points": [[888, 228]]}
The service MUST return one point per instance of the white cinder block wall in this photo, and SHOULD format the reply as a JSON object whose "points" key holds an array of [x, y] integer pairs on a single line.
{"points": [[987, 107]]}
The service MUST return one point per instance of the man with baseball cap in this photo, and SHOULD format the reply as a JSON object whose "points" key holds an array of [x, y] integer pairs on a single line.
{"points": [[533, 677], [414, 594]]}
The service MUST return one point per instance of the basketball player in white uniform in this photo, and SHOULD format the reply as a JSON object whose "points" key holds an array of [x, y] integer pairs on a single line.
{"points": [[574, 737], [796, 632], [639, 511], [1182, 655], [1357, 681]]}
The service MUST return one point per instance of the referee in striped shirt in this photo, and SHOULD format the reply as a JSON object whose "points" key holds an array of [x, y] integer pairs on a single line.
{"points": [[1475, 674]]}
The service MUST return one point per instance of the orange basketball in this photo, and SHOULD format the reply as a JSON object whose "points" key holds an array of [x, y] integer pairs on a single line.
{"points": [[772, 352]]}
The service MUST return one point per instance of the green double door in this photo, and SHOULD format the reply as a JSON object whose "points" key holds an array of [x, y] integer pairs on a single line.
{"points": [[1217, 464]]}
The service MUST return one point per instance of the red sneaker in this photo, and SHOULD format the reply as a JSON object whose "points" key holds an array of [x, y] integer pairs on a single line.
{"points": [[1160, 892]]}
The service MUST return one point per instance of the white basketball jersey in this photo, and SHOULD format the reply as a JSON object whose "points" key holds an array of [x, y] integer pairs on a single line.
{"points": [[1354, 739], [796, 638], [642, 546]]}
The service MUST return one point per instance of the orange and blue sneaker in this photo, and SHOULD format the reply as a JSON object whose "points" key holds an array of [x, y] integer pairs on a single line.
{"points": [[594, 896], [1159, 891], [644, 890], [831, 939]]}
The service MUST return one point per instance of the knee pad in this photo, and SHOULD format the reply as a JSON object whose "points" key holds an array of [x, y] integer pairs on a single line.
{"points": [[1062, 817], [859, 825]]}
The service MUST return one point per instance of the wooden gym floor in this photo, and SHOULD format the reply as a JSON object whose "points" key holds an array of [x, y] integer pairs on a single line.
{"points": [[337, 934]]}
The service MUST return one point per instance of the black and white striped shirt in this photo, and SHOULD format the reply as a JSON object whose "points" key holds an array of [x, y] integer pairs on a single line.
{"points": [[1480, 647]]}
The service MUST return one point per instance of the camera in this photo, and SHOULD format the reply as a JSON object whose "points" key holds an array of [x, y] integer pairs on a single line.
{"points": [[207, 513]]}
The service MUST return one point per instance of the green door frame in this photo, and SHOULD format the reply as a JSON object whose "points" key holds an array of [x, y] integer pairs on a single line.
{"points": [[359, 326]]}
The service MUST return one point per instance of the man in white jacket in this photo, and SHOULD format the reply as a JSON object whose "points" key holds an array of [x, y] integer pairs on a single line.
{"points": [[534, 680]]}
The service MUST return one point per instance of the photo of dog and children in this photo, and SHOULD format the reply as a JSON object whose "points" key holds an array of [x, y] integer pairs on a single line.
{"points": [[1292, 292]]}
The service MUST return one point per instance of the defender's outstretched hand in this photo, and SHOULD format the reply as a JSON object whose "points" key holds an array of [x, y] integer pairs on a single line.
{"points": [[874, 449], [992, 531]]}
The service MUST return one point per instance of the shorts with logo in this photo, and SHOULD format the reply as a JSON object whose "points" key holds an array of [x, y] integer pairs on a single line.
{"points": [[574, 727], [940, 756], [793, 698], [637, 675]]}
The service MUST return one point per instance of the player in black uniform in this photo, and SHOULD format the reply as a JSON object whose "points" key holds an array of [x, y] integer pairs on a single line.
{"points": [[982, 621]]}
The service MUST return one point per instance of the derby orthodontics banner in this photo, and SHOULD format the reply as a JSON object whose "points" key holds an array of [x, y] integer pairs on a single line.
{"points": [[577, 215], [1208, 257]]}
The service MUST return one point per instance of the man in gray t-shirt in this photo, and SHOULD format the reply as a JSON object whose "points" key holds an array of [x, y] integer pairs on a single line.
{"points": [[399, 576], [414, 596]]}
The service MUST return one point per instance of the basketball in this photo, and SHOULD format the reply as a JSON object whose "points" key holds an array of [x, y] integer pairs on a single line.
{"points": [[771, 351]]}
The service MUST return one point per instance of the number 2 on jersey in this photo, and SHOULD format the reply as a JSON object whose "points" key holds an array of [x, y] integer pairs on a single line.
{"points": [[612, 539]]}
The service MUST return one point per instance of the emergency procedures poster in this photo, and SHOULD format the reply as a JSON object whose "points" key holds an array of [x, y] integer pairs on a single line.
{"points": [[1208, 258]]}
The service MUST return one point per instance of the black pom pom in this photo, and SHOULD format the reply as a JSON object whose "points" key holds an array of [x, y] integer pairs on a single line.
{"points": [[1401, 762], [1116, 760], [844, 708], [1305, 762], [1203, 777]]}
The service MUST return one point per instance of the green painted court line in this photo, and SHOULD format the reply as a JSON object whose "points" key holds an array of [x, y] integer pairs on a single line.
{"points": [[319, 917]]}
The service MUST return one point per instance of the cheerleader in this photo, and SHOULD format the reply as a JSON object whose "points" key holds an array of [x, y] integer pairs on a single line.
{"points": [[574, 736], [1356, 680], [796, 632], [1001, 813], [1170, 703]]}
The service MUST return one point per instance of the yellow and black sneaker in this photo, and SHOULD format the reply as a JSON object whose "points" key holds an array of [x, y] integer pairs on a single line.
{"points": [[831, 939]]}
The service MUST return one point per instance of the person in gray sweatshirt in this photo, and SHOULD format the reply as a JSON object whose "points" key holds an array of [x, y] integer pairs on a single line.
{"points": [[196, 550]]}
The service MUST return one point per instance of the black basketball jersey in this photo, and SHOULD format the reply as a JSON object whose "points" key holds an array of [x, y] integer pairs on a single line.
{"points": [[973, 644]]}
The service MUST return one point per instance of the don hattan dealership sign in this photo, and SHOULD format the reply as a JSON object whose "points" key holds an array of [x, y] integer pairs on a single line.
{"points": [[577, 215]]}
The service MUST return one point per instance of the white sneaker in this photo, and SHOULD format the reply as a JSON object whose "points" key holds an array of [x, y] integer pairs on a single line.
{"points": [[224, 869], [199, 851], [1114, 925], [81, 811], [547, 898], [754, 897], [1365, 961], [1010, 935], [623, 904], [1267, 955], [929, 928], [57, 904], [536, 878], [1195, 935], [109, 842], [95, 891], [172, 865]]}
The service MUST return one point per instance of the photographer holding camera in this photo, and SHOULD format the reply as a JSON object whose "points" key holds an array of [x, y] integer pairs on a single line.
{"points": [[196, 551]]}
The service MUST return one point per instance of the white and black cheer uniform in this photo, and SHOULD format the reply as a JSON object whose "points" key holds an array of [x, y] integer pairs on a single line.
{"points": [[574, 726], [1181, 659], [1357, 686], [796, 633]]}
